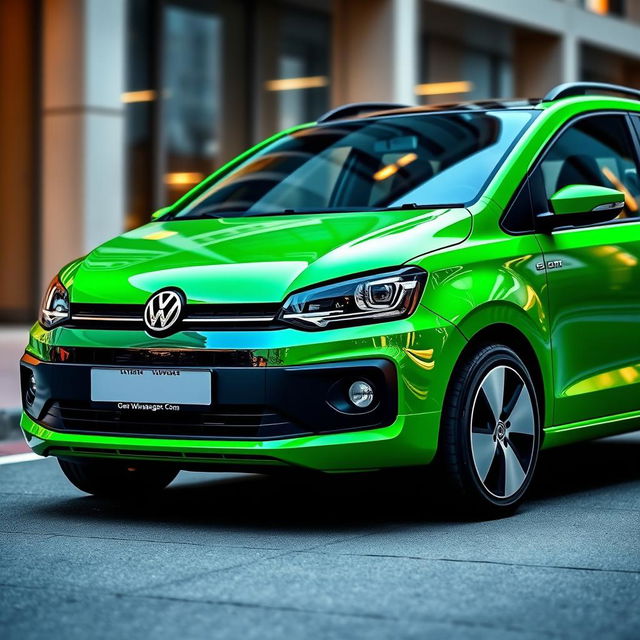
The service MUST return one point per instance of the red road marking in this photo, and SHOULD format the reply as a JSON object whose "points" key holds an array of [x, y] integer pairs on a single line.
{"points": [[11, 447]]}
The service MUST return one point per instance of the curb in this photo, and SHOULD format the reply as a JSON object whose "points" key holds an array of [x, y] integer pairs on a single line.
{"points": [[9, 424]]}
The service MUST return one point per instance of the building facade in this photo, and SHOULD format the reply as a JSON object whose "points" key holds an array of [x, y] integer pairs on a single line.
{"points": [[111, 109]]}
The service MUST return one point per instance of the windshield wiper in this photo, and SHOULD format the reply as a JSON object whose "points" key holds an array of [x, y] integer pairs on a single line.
{"points": [[413, 205], [292, 212], [406, 206], [199, 216]]}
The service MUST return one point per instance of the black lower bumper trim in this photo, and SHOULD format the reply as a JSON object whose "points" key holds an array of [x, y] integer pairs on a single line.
{"points": [[249, 403]]}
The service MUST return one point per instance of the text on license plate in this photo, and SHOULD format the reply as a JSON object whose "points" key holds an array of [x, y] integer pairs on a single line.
{"points": [[176, 386]]}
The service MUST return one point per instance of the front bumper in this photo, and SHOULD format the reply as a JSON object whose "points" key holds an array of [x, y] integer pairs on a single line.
{"points": [[252, 403], [291, 375]]}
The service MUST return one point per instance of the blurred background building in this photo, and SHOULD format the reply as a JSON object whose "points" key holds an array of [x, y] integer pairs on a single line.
{"points": [[110, 109]]}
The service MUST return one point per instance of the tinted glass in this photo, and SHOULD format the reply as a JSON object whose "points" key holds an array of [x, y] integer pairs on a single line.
{"points": [[424, 160], [303, 60], [186, 111], [139, 108], [636, 124], [191, 93], [596, 150], [519, 217]]}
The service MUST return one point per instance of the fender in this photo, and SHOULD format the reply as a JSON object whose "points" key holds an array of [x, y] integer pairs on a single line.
{"points": [[494, 282]]}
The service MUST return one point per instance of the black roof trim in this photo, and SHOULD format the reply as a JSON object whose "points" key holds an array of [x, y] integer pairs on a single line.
{"points": [[566, 90], [374, 109], [572, 89], [358, 108]]}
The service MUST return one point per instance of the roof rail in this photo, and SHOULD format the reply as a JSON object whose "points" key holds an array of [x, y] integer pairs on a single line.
{"points": [[582, 88], [356, 108]]}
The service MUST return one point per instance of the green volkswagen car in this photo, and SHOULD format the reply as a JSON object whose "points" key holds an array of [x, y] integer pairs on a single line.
{"points": [[390, 286]]}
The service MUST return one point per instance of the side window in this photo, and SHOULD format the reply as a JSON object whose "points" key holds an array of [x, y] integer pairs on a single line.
{"points": [[519, 216], [635, 120], [636, 124], [595, 150]]}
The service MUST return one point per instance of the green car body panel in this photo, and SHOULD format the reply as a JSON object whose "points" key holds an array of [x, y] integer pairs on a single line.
{"points": [[576, 327]]}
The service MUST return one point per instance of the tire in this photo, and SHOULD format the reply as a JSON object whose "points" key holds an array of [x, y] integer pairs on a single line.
{"points": [[111, 479], [490, 433]]}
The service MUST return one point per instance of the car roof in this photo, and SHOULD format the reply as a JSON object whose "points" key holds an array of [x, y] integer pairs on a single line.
{"points": [[574, 90]]}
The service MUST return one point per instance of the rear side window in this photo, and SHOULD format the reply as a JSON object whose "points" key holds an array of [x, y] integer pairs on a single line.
{"points": [[636, 124], [596, 150]]}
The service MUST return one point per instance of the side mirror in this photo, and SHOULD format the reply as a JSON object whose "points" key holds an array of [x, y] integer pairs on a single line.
{"points": [[581, 205], [159, 213]]}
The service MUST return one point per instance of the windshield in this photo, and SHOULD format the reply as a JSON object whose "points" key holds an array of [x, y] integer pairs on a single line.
{"points": [[426, 160]]}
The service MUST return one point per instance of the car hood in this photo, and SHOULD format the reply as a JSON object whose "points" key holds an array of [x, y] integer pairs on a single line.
{"points": [[258, 259]]}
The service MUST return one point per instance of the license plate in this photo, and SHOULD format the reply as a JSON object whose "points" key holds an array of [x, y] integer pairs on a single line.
{"points": [[157, 386]]}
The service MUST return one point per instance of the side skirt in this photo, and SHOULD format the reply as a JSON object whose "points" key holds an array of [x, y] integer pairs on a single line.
{"points": [[589, 429]]}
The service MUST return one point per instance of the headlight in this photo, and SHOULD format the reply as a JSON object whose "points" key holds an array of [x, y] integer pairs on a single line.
{"points": [[365, 299], [55, 305]]}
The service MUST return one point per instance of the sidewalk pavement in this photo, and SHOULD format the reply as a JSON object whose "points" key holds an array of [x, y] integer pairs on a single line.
{"points": [[12, 342]]}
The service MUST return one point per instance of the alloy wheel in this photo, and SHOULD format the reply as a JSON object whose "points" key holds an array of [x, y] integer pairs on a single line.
{"points": [[503, 432]]}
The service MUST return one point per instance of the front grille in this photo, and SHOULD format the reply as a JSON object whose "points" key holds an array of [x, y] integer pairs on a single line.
{"points": [[156, 357], [225, 423], [197, 317]]}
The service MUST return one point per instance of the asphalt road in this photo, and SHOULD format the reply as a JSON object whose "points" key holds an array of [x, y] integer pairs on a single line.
{"points": [[239, 556]]}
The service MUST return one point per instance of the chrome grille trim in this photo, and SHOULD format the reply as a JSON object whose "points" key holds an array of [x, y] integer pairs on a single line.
{"points": [[187, 319], [196, 316], [81, 318], [231, 319]]}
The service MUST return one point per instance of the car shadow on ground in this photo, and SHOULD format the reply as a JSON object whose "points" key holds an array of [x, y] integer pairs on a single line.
{"points": [[304, 502]]}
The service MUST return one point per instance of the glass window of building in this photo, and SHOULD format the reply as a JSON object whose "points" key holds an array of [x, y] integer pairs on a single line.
{"points": [[598, 65], [191, 93], [295, 71], [454, 72], [191, 100], [464, 56], [304, 54], [140, 102], [185, 97]]}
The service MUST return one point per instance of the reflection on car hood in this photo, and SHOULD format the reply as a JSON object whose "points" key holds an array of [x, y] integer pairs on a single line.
{"points": [[259, 259]]}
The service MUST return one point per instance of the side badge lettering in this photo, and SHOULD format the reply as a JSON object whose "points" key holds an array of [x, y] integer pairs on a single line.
{"points": [[551, 264]]}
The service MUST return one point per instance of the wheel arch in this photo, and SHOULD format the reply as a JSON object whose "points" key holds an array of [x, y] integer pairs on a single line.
{"points": [[513, 337]]}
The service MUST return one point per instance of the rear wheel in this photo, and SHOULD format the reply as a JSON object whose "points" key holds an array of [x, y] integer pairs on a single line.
{"points": [[116, 479], [490, 435]]}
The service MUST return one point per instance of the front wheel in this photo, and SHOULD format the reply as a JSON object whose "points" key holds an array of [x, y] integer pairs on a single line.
{"points": [[490, 435], [115, 479]]}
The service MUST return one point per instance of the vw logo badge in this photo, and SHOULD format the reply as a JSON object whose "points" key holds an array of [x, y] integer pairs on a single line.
{"points": [[163, 310]]}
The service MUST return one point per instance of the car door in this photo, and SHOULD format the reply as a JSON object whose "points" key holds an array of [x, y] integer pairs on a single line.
{"points": [[593, 273]]}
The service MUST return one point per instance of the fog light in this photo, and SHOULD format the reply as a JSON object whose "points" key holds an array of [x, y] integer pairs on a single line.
{"points": [[32, 389], [361, 394]]}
